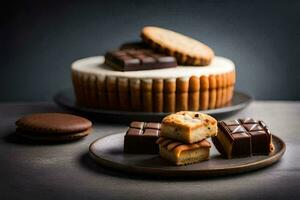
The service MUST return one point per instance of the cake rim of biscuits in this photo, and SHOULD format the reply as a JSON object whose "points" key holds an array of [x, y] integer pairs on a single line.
{"points": [[95, 65]]}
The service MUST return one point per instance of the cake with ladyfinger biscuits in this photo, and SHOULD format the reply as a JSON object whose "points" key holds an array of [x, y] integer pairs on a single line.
{"points": [[97, 85], [160, 77]]}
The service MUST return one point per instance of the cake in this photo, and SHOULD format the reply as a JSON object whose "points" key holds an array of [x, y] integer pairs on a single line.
{"points": [[98, 85]]}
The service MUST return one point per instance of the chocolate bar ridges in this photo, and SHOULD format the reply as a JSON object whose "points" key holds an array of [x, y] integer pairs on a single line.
{"points": [[247, 137], [138, 59], [141, 137]]}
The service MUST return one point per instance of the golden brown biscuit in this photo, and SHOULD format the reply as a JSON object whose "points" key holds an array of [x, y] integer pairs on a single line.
{"points": [[158, 98], [187, 51], [147, 95], [194, 94], [135, 94], [212, 91], [123, 90], [188, 127], [182, 154], [102, 93], [182, 88], [169, 95], [204, 93], [112, 93]]}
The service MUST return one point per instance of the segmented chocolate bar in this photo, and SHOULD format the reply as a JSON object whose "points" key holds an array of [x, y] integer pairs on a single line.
{"points": [[242, 138], [138, 59], [141, 137]]}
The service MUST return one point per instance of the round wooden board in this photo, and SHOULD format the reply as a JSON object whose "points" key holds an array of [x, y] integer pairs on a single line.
{"points": [[66, 99], [108, 151]]}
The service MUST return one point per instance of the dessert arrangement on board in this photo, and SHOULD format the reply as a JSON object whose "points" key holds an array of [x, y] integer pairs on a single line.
{"points": [[168, 73], [165, 72], [181, 138]]}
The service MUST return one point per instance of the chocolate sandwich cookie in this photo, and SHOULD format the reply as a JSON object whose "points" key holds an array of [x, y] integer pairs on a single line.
{"points": [[53, 127], [187, 51]]}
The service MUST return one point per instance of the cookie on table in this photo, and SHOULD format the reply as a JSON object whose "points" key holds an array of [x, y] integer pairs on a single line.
{"points": [[187, 51], [53, 127], [188, 127]]}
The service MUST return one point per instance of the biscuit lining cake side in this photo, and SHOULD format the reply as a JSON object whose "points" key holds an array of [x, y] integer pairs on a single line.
{"points": [[164, 90]]}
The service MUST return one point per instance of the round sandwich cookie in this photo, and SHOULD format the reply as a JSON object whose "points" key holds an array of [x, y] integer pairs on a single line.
{"points": [[187, 51], [53, 127]]}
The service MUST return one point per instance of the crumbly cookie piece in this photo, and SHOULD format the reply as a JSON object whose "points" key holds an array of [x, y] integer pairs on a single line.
{"points": [[188, 127], [187, 51]]}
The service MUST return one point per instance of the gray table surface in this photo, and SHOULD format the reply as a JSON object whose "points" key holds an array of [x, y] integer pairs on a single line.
{"points": [[65, 171]]}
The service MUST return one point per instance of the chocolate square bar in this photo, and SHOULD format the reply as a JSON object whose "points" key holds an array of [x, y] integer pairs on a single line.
{"points": [[138, 59], [242, 138], [141, 137]]}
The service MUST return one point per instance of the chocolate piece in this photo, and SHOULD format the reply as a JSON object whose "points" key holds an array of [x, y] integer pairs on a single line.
{"points": [[242, 138], [141, 137], [138, 58]]}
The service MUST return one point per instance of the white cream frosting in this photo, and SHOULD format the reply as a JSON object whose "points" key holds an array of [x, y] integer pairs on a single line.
{"points": [[95, 65]]}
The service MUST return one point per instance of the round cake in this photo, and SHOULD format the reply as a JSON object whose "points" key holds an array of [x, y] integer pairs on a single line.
{"points": [[97, 85]]}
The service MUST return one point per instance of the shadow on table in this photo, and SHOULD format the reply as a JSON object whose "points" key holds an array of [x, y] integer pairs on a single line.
{"points": [[14, 138], [87, 162]]}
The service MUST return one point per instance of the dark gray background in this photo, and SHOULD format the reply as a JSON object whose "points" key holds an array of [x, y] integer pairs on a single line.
{"points": [[40, 39]]}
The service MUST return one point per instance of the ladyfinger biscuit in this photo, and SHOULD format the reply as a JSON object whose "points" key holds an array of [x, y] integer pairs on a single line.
{"points": [[204, 93], [182, 88], [219, 80], [123, 90], [169, 95], [187, 51], [102, 93], [92, 90], [231, 87], [82, 96], [224, 94], [158, 98], [147, 95], [135, 94], [87, 98], [212, 91], [194, 88], [76, 87], [112, 92]]}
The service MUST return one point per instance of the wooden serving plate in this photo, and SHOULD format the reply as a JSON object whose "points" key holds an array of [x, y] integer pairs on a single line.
{"points": [[108, 151]]}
